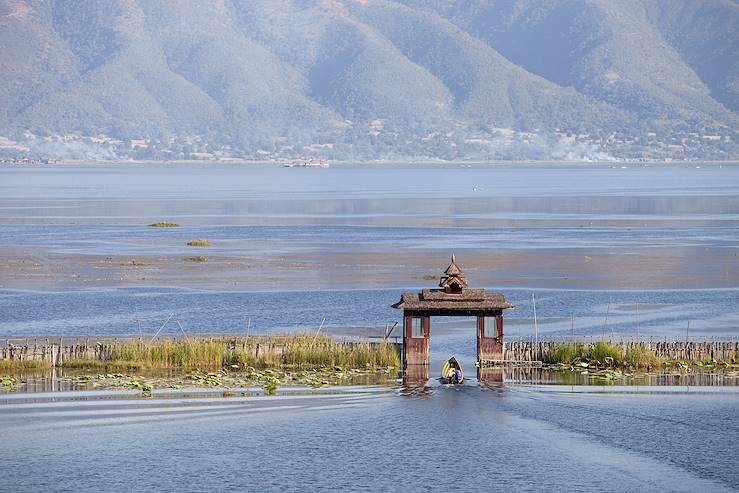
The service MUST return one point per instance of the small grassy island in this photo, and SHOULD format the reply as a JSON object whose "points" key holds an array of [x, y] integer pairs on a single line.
{"points": [[164, 224], [198, 243]]}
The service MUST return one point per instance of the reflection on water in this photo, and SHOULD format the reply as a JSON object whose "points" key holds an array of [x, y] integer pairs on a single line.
{"points": [[492, 377], [669, 378], [417, 377], [416, 380]]}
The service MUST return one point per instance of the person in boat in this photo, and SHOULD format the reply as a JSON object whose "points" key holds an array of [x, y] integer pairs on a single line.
{"points": [[457, 375], [451, 375]]}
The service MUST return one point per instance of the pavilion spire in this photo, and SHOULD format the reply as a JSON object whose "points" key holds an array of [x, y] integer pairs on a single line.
{"points": [[454, 281]]}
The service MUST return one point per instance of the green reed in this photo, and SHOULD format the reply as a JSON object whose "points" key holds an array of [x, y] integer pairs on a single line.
{"points": [[295, 351], [14, 364]]}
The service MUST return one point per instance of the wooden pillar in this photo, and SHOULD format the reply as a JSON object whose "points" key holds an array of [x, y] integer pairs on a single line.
{"points": [[416, 349], [489, 340], [416, 341]]}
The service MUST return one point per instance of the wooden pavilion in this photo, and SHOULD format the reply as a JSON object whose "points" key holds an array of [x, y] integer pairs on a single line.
{"points": [[454, 298]]}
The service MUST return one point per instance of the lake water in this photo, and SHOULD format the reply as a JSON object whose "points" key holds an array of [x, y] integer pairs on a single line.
{"points": [[466, 438], [622, 252], [625, 251]]}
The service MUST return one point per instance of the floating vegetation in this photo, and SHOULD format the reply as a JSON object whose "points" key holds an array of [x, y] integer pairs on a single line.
{"points": [[138, 384], [234, 379], [164, 224], [208, 379], [608, 375], [199, 258], [198, 243], [138, 263], [8, 383]]}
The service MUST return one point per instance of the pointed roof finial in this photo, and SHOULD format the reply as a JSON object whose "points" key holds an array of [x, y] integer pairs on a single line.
{"points": [[453, 269], [454, 277]]}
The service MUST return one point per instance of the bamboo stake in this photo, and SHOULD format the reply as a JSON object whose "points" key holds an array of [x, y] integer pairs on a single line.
{"points": [[319, 330], [573, 327], [160, 328], [536, 325]]}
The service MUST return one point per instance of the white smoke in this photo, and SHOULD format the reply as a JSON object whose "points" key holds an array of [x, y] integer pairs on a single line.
{"points": [[69, 150], [506, 144]]}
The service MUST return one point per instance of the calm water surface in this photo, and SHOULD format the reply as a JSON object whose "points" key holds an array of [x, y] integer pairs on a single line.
{"points": [[467, 438], [125, 312], [626, 251], [638, 250]]}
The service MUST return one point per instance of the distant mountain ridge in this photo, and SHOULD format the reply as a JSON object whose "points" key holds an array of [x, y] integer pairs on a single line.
{"points": [[370, 79]]}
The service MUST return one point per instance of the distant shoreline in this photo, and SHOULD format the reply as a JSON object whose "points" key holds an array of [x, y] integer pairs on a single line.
{"points": [[373, 163]]}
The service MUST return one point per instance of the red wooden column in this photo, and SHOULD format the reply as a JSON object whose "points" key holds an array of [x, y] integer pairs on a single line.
{"points": [[416, 342], [489, 340], [499, 327]]}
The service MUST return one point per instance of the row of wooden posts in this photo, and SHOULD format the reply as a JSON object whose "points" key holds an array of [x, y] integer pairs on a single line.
{"points": [[57, 351], [543, 351]]}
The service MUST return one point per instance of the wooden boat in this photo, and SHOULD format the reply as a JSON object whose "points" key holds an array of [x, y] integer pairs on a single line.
{"points": [[451, 363]]}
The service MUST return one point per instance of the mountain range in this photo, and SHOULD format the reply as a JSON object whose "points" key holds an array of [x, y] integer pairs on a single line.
{"points": [[370, 79]]}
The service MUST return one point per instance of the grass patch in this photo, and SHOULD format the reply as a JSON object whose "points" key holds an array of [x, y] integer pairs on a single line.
{"points": [[293, 351], [198, 243], [14, 364], [96, 364], [199, 258], [598, 354], [308, 351], [569, 353], [359, 355], [604, 354], [427, 277], [164, 224], [172, 354], [641, 358]]}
